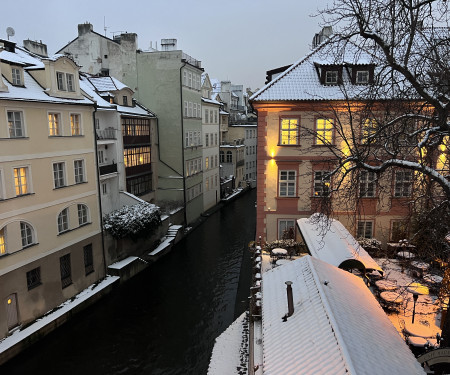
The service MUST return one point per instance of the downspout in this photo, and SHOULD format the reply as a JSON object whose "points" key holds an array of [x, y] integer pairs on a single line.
{"points": [[98, 189], [182, 143]]}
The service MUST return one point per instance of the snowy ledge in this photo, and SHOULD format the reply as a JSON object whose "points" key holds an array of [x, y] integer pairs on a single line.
{"points": [[122, 263], [20, 335]]}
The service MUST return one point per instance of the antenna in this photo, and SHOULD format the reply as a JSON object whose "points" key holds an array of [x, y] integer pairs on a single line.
{"points": [[10, 32], [104, 24]]}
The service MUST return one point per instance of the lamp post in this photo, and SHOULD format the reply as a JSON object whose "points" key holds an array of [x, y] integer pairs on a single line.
{"points": [[415, 296]]}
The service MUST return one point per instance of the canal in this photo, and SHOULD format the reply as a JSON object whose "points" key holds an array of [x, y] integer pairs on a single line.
{"points": [[165, 319]]}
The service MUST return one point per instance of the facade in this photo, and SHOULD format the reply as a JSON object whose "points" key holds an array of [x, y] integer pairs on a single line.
{"points": [[295, 122], [234, 98], [126, 133], [50, 228], [211, 140], [169, 82], [247, 132]]}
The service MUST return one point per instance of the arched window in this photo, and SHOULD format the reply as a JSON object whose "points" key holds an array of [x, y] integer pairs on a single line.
{"points": [[63, 221], [83, 214], [229, 157], [222, 156], [27, 234]]}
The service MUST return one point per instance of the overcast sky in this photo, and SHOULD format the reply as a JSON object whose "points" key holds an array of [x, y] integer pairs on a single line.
{"points": [[238, 40]]}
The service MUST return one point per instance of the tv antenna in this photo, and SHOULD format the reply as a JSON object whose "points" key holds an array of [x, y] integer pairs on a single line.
{"points": [[104, 24], [10, 32]]}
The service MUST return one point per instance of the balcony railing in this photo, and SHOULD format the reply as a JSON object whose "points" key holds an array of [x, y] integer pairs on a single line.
{"points": [[191, 60], [107, 169], [108, 133]]}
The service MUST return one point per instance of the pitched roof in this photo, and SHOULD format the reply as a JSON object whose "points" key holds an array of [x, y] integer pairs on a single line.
{"points": [[337, 326]]}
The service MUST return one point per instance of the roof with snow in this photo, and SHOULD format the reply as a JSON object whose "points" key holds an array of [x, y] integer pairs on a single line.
{"points": [[328, 240], [211, 101], [337, 326], [302, 82]]}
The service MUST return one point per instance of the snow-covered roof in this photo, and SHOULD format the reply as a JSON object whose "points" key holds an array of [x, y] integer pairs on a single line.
{"points": [[331, 242], [337, 326], [20, 57], [211, 101], [103, 84]]}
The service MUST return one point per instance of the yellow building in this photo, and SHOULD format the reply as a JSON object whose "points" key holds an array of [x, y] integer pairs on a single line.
{"points": [[50, 234]]}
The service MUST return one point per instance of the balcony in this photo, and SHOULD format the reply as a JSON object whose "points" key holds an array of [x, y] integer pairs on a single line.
{"points": [[107, 169], [108, 133]]}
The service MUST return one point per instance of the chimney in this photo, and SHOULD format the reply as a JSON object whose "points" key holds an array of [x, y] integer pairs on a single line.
{"points": [[290, 298], [168, 44], [36, 47], [84, 28], [324, 34]]}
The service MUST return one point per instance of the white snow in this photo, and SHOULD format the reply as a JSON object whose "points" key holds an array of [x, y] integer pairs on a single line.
{"points": [[123, 263]]}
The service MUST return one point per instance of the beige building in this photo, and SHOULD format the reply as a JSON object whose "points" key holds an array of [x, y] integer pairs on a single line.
{"points": [[50, 234]]}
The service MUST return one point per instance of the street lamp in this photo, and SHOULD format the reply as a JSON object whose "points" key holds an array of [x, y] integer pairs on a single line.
{"points": [[415, 296]]}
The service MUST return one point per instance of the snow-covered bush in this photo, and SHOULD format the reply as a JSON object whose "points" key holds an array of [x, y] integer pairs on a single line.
{"points": [[369, 243], [133, 221]]}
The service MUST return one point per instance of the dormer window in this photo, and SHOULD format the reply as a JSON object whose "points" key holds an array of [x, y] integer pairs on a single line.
{"points": [[125, 101], [66, 81], [362, 77], [331, 77], [16, 76], [361, 74]]}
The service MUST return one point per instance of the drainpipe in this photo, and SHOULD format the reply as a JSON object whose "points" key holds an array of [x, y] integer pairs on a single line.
{"points": [[182, 144], [98, 189]]}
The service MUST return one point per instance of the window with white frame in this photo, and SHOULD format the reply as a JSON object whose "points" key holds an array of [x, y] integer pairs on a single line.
{"points": [[16, 76], [54, 124], [229, 157], [185, 82], [207, 162], [211, 114], [322, 183], [101, 156], [206, 115], [286, 229], [63, 221], [83, 214], [287, 183], [3, 241], [190, 109], [26, 233], [195, 110], [365, 229], [59, 175], [65, 81], [78, 166], [367, 184], [402, 183], [190, 79], [15, 124], [75, 124], [21, 180], [331, 77], [66, 270]]}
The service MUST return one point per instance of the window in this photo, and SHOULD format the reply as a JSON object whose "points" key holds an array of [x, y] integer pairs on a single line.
{"points": [[206, 115], [369, 128], [403, 183], [399, 230], [75, 124], [222, 156], [60, 81], [211, 114], [136, 156], [82, 214], [286, 184], [195, 110], [186, 108], [26, 233], [229, 157], [66, 272], [53, 124], [331, 77], [70, 82], [88, 259], [207, 184], [78, 166], [2, 241], [125, 100], [140, 185], [65, 81], [190, 79], [190, 109], [15, 124], [63, 221], [289, 131], [206, 140], [367, 184], [59, 178], [286, 229], [362, 77], [324, 131], [104, 188], [215, 139], [20, 180], [34, 278], [207, 162], [365, 229], [321, 183], [16, 76], [101, 156]]}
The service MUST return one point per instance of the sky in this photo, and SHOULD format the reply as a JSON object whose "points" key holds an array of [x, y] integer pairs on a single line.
{"points": [[236, 40]]}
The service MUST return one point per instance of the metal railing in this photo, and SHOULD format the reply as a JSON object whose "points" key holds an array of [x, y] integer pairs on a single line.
{"points": [[108, 133], [107, 169]]}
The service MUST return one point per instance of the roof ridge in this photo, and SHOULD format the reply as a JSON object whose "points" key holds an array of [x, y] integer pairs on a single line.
{"points": [[339, 337]]}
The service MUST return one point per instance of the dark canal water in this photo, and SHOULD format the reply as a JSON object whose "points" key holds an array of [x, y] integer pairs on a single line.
{"points": [[164, 320]]}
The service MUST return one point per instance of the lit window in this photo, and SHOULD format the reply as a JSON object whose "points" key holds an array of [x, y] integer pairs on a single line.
{"points": [[207, 163], [2, 241], [331, 77], [63, 221], [20, 180], [287, 184], [66, 272], [369, 129], [322, 183], [399, 230], [26, 233], [365, 229], [15, 124], [362, 77], [324, 131], [59, 177], [34, 278], [82, 214], [366, 184], [75, 124], [53, 124], [403, 183], [16, 76], [289, 131], [79, 171]]}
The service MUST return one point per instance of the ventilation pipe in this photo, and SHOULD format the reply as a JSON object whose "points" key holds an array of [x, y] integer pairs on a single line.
{"points": [[290, 298]]}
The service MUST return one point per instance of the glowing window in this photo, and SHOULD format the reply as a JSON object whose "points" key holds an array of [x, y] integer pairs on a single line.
{"points": [[324, 131], [289, 131], [20, 180], [53, 124], [322, 183]]}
